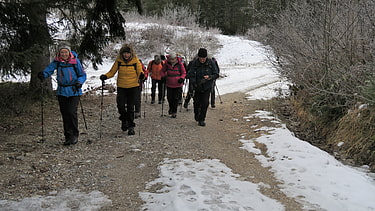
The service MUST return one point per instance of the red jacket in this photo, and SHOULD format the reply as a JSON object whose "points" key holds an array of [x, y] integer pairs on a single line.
{"points": [[173, 73]]}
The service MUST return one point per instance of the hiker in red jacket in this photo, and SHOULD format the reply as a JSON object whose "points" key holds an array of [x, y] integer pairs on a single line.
{"points": [[173, 73]]}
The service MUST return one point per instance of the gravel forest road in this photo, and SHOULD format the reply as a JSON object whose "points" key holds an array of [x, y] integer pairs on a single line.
{"points": [[119, 165]]}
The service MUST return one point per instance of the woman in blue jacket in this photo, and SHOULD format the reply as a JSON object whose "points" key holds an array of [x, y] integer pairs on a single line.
{"points": [[70, 77]]}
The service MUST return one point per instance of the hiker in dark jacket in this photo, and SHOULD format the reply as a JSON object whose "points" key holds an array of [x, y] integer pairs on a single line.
{"points": [[201, 75], [70, 77], [129, 70], [174, 73]]}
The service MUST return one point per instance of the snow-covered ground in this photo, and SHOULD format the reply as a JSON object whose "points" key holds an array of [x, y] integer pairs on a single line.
{"points": [[308, 174]]}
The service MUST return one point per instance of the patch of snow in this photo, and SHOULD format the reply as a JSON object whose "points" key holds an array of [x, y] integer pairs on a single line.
{"points": [[185, 184], [64, 200]]}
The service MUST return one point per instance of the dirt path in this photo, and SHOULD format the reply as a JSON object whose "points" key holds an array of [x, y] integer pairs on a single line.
{"points": [[120, 165]]}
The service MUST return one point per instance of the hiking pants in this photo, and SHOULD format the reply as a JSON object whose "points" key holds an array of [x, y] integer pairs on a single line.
{"points": [[201, 101], [126, 98], [68, 109], [173, 96], [159, 84]]}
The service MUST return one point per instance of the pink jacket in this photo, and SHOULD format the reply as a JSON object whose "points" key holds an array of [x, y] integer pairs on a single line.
{"points": [[172, 74]]}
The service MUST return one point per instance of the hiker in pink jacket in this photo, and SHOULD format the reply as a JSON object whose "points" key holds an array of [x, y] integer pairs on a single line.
{"points": [[173, 74]]}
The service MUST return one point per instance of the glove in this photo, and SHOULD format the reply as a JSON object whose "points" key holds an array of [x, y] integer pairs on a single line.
{"points": [[180, 80], [103, 77], [141, 76], [41, 76], [78, 85]]}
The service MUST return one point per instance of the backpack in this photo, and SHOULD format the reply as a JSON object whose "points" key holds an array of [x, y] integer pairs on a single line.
{"points": [[69, 65], [217, 65], [62, 72], [127, 65]]}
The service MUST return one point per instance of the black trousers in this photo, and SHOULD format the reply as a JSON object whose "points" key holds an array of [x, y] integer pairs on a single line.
{"points": [[68, 109], [159, 85], [126, 98], [173, 96], [201, 101]]}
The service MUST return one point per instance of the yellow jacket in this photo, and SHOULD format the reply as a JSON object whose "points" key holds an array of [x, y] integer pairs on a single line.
{"points": [[128, 72]]}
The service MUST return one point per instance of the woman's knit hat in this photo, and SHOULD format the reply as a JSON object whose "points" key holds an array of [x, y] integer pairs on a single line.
{"points": [[64, 45]]}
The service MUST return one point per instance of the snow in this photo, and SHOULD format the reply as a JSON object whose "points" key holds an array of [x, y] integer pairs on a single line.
{"points": [[63, 201], [309, 175], [323, 182], [204, 185]]}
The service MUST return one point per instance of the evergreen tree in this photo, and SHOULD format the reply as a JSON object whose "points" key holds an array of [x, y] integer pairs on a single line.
{"points": [[26, 36]]}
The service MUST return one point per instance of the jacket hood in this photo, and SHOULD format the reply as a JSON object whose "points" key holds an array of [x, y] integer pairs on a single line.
{"points": [[124, 48], [72, 58]]}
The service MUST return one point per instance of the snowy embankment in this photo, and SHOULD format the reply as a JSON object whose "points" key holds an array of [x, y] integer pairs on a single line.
{"points": [[307, 173]]}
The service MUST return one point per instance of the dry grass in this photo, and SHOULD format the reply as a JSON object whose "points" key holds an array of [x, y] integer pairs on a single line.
{"points": [[356, 133]]}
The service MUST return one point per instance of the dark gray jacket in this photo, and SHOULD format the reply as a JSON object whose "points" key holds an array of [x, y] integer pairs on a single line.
{"points": [[196, 72]]}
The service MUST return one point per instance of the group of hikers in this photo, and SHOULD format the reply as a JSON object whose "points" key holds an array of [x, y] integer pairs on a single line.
{"points": [[168, 74]]}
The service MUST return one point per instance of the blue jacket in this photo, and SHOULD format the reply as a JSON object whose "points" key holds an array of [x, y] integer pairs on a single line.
{"points": [[68, 74]]}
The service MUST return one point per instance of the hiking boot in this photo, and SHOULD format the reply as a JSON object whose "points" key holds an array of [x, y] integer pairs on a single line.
{"points": [[67, 143], [131, 131], [124, 126], [137, 115], [202, 123], [71, 141]]}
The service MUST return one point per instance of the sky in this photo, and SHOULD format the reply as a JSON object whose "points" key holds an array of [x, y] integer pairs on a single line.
{"points": [[309, 175]]}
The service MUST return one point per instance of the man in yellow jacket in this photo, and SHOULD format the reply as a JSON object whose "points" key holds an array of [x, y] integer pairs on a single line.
{"points": [[130, 72]]}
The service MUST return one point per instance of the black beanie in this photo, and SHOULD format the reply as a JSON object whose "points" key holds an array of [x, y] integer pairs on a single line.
{"points": [[202, 52]]}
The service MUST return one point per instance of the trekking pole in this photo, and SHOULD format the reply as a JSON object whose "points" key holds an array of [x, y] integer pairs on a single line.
{"points": [[101, 111], [144, 108], [146, 88], [83, 113], [42, 111], [183, 97], [144, 115], [162, 100], [221, 102]]}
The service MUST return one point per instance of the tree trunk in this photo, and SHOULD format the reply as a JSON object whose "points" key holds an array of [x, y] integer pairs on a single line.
{"points": [[40, 39]]}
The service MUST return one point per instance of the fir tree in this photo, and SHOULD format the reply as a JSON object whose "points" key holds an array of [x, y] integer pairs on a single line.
{"points": [[26, 36]]}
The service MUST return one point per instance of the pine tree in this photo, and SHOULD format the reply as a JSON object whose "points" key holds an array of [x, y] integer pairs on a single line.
{"points": [[26, 36]]}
